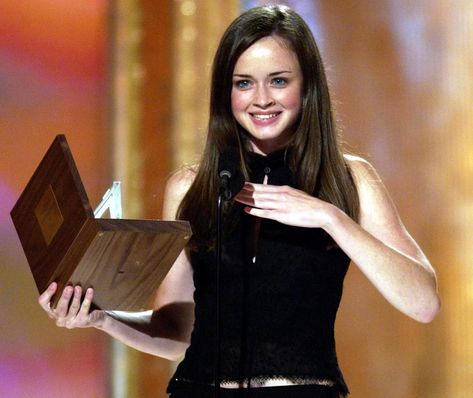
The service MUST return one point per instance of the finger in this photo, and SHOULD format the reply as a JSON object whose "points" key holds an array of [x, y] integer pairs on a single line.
{"points": [[87, 302], [259, 189], [262, 213], [271, 194], [252, 187], [73, 309], [63, 303], [263, 200], [245, 198], [75, 303], [44, 299]]}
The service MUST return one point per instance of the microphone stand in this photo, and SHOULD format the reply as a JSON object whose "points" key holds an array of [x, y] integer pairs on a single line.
{"points": [[218, 253]]}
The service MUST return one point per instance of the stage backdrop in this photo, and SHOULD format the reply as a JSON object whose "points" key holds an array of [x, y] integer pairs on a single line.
{"points": [[401, 79], [53, 57]]}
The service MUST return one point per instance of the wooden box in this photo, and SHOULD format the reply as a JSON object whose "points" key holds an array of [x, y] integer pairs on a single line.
{"points": [[123, 260]]}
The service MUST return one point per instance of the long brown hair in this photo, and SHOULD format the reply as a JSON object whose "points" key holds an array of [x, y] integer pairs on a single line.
{"points": [[315, 153]]}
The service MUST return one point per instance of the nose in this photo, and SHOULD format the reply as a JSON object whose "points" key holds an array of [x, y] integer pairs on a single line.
{"points": [[263, 98]]}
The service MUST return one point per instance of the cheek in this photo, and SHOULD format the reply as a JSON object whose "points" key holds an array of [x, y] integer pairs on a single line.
{"points": [[292, 99], [237, 101]]}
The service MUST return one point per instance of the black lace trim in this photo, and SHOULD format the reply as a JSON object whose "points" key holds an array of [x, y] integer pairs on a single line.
{"points": [[264, 380]]}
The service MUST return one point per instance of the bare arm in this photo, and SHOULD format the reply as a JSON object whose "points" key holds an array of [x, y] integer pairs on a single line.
{"points": [[379, 245], [384, 250], [164, 331]]}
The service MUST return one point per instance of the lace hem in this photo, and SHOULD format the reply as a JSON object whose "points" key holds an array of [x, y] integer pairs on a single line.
{"points": [[276, 381]]}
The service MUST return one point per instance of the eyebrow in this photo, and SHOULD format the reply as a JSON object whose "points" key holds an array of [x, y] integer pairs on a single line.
{"points": [[270, 75]]}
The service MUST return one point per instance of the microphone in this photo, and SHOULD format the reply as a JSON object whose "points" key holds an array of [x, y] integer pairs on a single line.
{"points": [[231, 182], [231, 178]]}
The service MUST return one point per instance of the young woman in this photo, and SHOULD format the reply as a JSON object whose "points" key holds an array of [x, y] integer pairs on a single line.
{"points": [[306, 210]]}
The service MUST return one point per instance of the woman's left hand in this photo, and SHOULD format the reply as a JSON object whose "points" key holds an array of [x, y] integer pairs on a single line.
{"points": [[285, 204]]}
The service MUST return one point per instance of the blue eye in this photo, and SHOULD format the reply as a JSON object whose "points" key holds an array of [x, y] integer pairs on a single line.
{"points": [[242, 84], [279, 81]]}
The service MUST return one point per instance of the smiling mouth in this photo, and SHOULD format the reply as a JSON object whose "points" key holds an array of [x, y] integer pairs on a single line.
{"points": [[259, 116]]}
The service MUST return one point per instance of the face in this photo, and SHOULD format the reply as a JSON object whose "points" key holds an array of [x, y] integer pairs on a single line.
{"points": [[266, 93]]}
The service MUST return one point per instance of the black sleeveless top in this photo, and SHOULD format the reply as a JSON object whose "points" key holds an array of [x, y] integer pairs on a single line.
{"points": [[277, 313]]}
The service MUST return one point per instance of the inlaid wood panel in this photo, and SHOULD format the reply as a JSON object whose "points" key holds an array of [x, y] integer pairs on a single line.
{"points": [[123, 260]]}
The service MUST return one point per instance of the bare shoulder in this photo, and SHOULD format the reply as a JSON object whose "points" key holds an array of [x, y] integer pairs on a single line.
{"points": [[378, 213], [376, 205], [371, 190], [176, 187], [180, 181], [362, 170]]}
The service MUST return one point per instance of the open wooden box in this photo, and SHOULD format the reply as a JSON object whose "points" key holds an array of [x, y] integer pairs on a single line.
{"points": [[123, 260]]}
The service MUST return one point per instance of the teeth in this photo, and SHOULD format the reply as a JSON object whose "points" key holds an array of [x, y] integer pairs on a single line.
{"points": [[265, 117]]}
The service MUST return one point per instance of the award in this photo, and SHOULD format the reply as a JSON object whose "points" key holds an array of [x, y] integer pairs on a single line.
{"points": [[123, 260]]}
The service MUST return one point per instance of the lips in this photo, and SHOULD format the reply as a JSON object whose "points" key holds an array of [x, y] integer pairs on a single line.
{"points": [[265, 117]]}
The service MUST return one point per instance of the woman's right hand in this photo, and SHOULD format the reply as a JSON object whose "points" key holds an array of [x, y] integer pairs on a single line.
{"points": [[71, 310]]}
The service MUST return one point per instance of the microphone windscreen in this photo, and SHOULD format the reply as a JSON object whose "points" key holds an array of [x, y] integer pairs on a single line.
{"points": [[229, 166]]}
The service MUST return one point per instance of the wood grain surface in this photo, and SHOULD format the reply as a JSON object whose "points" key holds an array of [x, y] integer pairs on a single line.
{"points": [[124, 260]]}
